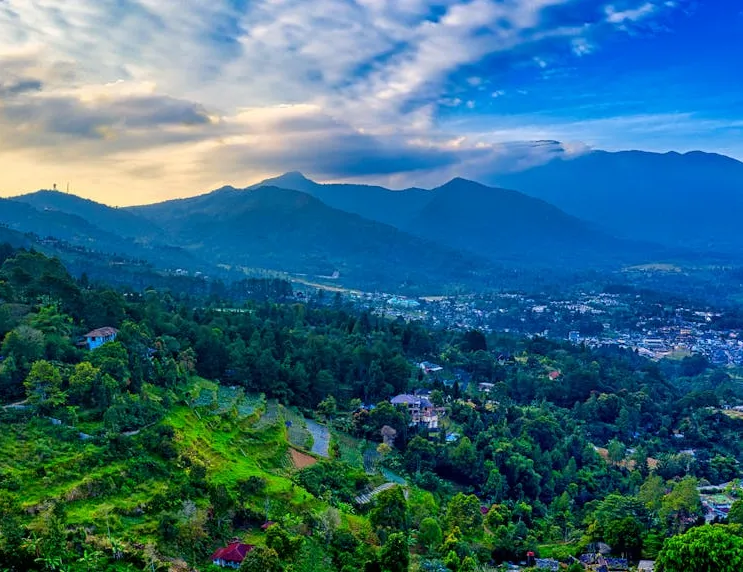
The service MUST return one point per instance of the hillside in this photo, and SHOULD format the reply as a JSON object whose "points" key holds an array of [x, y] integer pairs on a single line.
{"points": [[113, 220], [507, 225], [689, 200], [395, 208], [126, 457], [291, 231]]}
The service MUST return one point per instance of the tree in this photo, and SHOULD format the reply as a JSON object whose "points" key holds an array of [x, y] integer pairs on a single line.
{"points": [[82, 381], [262, 559], [429, 534], [282, 542], [44, 386], [463, 511], [652, 492], [395, 555], [625, 536], [681, 504], [735, 516], [709, 548], [390, 510], [617, 451], [328, 407]]}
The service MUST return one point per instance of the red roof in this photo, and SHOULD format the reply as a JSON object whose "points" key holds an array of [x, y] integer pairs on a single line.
{"points": [[102, 332], [235, 552], [268, 524], [554, 374]]}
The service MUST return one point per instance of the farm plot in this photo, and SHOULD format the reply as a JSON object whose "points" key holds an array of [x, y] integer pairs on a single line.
{"points": [[227, 398], [371, 459], [301, 460], [350, 449], [270, 415], [296, 429], [320, 437], [249, 404]]}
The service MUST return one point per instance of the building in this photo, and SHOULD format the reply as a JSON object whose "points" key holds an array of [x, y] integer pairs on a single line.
{"points": [[421, 410], [97, 338], [429, 367], [232, 555]]}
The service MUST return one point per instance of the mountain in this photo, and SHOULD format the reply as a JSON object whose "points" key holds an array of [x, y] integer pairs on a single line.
{"points": [[83, 234], [113, 220], [288, 230], [508, 225], [690, 200], [24, 218], [375, 203]]}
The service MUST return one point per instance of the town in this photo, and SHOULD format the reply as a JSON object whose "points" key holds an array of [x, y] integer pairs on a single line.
{"points": [[650, 327]]}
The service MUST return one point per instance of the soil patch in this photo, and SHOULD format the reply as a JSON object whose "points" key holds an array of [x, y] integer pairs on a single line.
{"points": [[301, 460]]}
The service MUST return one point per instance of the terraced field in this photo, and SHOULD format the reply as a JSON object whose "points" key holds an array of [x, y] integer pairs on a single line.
{"points": [[350, 449], [320, 437], [296, 429]]}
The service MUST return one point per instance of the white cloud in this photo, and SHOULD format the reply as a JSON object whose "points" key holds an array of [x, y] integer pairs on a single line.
{"points": [[122, 82], [615, 16]]}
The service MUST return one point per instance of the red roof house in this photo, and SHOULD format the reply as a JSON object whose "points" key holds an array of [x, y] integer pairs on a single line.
{"points": [[232, 555]]}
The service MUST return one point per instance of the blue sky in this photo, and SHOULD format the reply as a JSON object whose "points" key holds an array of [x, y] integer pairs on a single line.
{"points": [[135, 101]]}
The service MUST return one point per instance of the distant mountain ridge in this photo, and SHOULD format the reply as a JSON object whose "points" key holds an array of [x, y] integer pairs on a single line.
{"points": [[395, 208], [115, 220], [692, 200], [288, 230], [598, 211]]}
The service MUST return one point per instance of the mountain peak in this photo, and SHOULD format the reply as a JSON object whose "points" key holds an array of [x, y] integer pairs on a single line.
{"points": [[292, 180], [294, 177], [459, 183]]}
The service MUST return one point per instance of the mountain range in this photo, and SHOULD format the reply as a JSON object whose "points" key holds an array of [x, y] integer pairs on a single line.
{"points": [[598, 211], [691, 200]]}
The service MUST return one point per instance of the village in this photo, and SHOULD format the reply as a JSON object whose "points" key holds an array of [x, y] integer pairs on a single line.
{"points": [[597, 320]]}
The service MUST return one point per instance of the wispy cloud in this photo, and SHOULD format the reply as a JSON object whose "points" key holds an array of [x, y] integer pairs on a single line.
{"points": [[185, 94]]}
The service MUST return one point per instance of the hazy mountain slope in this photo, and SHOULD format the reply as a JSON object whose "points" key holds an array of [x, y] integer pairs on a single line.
{"points": [[372, 202], [691, 200], [81, 233], [291, 231], [507, 225], [25, 218], [114, 220]]}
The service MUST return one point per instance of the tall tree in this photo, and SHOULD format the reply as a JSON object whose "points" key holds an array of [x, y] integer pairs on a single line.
{"points": [[44, 387], [710, 548]]}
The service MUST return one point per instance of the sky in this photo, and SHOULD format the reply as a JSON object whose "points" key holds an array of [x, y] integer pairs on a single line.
{"points": [[137, 101]]}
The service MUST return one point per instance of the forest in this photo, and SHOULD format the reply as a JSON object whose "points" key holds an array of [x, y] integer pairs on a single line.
{"points": [[255, 415]]}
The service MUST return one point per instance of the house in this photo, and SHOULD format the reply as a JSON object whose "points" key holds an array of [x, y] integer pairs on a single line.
{"points": [[232, 555], [646, 566], [429, 367], [97, 338], [421, 410], [485, 387]]}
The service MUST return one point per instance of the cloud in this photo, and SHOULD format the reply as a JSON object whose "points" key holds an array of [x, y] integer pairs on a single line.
{"points": [[165, 94]]}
